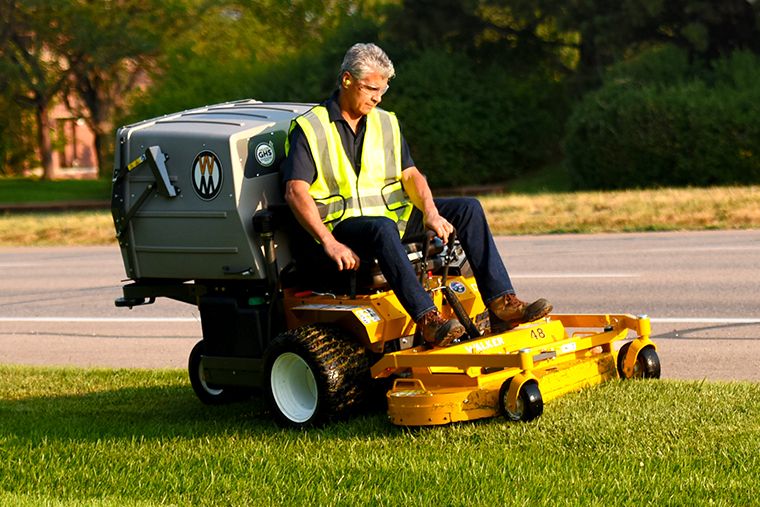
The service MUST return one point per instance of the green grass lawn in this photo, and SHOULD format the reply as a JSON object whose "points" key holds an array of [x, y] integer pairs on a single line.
{"points": [[24, 190], [139, 437]]}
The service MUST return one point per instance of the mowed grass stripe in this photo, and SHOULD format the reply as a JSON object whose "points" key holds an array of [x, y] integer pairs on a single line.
{"points": [[139, 437], [576, 212]]}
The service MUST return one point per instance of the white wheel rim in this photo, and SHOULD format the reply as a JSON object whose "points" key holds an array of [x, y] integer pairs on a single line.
{"points": [[202, 378], [293, 387], [519, 409]]}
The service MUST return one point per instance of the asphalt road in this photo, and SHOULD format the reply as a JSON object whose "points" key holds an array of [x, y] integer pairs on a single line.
{"points": [[701, 290]]}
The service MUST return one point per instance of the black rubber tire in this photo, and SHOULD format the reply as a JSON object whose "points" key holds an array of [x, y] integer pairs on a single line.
{"points": [[530, 403], [621, 357], [336, 366], [208, 393], [647, 363]]}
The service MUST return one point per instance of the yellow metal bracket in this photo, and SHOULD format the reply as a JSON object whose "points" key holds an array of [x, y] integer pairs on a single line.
{"points": [[629, 362], [517, 382]]}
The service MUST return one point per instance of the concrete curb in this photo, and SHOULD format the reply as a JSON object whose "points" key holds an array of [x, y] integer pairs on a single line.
{"points": [[27, 207]]}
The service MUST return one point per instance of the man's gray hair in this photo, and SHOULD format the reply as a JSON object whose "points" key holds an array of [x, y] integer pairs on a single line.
{"points": [[364, 58]]}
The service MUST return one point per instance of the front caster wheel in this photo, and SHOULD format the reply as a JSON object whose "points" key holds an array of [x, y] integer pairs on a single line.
{"points": [[647, 363], [208, 393], [530, 403]]}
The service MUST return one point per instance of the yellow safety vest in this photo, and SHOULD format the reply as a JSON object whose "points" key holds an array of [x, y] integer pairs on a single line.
{"points": [[377, 191]]}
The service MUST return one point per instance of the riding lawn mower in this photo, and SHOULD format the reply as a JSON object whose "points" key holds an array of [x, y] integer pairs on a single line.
{"points": [[200, 218]]}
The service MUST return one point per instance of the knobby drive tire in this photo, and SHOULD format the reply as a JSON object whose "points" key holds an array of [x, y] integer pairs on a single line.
{"points": [[647, 363], [530, 403], [315, 374], [208, 393]]}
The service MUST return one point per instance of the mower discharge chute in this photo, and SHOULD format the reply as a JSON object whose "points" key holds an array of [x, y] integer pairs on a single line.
{"points": [[200, 218]]}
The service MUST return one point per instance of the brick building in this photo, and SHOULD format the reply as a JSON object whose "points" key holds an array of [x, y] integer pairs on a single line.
{"points": [[74, 153]]}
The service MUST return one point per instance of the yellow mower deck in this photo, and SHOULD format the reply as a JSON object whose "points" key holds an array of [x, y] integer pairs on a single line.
{"points": [[481, 377], [464, 382]]}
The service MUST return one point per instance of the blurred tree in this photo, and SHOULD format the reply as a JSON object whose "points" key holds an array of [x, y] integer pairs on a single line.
{"points": [[17, 146], [610, 32], [308, 71], [30, 74], [99, 51], [266, 49], [580, 37], [137, 58], [516, 33], [110, 47]]}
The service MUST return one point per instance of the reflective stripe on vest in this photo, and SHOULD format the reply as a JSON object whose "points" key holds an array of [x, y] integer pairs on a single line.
{"points": [[377, 191]]}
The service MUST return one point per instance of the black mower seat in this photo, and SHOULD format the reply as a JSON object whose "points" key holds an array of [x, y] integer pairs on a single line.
{"points": [[322, 275], [311, 269]]}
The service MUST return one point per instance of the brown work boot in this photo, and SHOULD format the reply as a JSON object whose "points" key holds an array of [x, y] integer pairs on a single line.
{"points": [[436, 330], [507, 312]]}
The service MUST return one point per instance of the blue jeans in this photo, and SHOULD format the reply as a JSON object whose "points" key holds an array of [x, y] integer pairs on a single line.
{"points": [[377, 237]]}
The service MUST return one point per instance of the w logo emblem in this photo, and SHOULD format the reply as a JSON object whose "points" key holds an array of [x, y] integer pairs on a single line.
{"points": [[207, 175]]}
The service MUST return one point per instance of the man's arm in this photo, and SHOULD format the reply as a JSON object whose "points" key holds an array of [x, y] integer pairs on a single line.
{"points": [[306, 212], [419, 192]]}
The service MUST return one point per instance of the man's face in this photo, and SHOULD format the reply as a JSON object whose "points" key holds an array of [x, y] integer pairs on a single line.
{"points": [[364, 94]]}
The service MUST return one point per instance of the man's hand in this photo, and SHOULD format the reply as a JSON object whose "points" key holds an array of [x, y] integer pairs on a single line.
{"points": [[343, 256], [305, 211], [439, 225], [419, 193]]}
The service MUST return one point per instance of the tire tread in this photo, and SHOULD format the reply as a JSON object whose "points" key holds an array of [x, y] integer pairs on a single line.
{"points": [[341, 368]]}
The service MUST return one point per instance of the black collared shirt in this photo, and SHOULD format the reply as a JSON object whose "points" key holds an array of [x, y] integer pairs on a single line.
{"points": [[299, 164]]}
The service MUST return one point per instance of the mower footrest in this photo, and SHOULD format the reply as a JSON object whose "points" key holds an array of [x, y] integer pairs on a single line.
{"points": [[123, 302]]}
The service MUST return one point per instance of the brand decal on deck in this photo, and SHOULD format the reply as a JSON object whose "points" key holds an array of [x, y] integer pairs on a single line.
{"points": [[207, 175], [484, 345], [367, 315], [457, 287]]}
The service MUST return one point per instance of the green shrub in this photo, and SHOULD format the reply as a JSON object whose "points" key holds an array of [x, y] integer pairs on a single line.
{"points": [[687, 125], [467, 123], [664, 65]]}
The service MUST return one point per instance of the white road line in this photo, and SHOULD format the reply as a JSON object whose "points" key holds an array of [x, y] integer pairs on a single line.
{"points": [[737, 248], [98, 319], [654, 320], [577, 275], [707, 320]]}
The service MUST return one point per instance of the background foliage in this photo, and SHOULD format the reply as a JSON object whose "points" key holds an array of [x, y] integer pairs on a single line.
{"points": [[638, 93], [473, 123], [661, 120]]}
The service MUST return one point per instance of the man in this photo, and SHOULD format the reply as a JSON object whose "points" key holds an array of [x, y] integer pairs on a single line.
{"points": [[350, 156]]}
